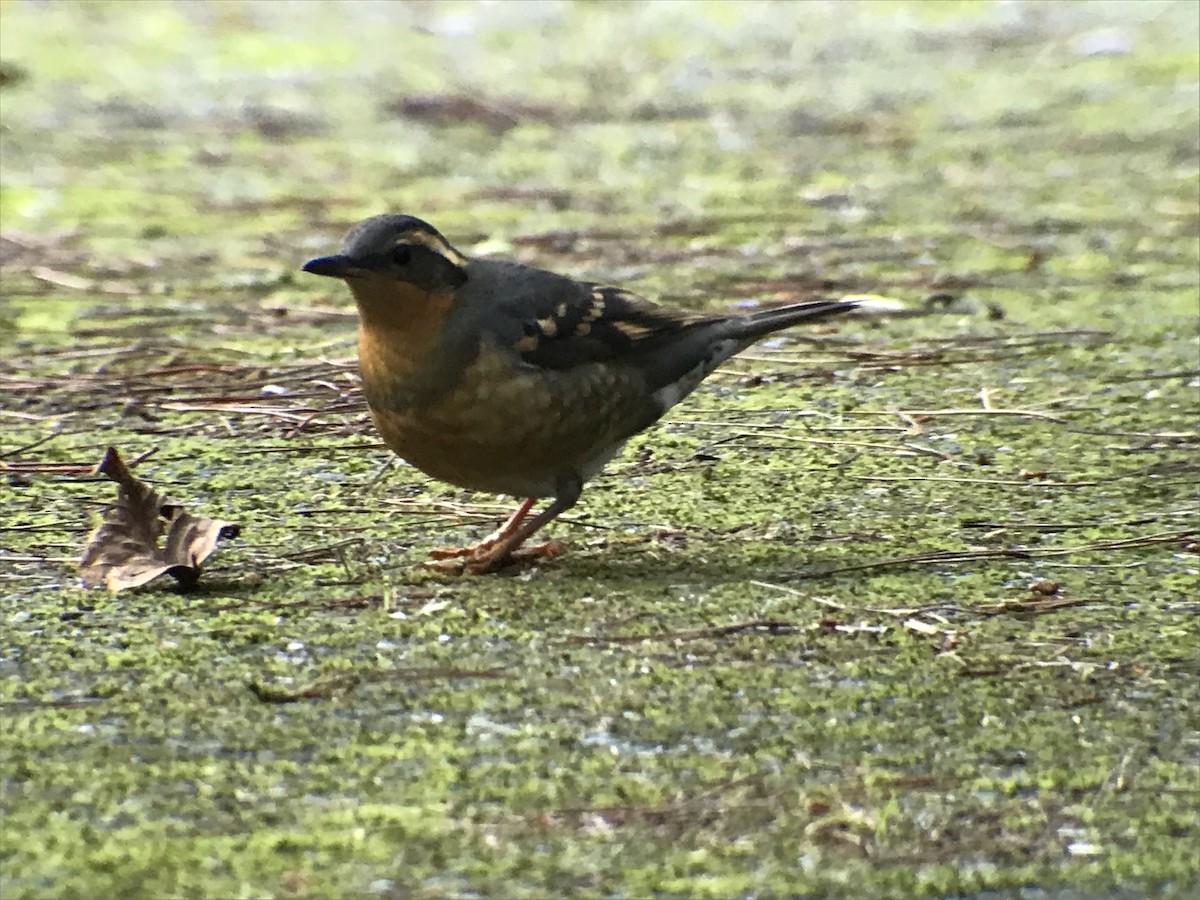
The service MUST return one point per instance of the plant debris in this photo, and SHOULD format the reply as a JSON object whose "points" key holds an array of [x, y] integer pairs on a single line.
{"points": [[498, 114], [124, 552]]}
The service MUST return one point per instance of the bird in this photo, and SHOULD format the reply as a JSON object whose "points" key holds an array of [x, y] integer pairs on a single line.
{"points": [[504, 378]]}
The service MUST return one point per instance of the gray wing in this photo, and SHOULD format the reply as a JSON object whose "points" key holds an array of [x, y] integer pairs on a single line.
{"points": [[554, 322]]}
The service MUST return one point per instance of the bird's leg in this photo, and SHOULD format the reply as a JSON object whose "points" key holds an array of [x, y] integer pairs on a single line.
{"points": [[498, 548], [489, 559], [514, 521]]}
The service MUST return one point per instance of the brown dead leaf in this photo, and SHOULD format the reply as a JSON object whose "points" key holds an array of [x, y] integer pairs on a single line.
{"points": [[124, 551]]}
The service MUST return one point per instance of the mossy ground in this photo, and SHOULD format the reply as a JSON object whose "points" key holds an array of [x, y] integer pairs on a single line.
{"points": [[733, 684]]}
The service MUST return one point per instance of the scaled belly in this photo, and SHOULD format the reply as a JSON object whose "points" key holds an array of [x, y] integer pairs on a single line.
{"points": [[517, 436]]}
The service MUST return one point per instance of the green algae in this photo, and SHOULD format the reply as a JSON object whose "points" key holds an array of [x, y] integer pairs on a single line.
{"points": [[747, 676]]}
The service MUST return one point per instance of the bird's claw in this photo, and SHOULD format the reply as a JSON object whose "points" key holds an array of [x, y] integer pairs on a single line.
{"points": [[484, 558]]}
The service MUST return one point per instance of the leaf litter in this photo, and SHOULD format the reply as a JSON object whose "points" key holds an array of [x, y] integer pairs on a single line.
{"points": [[125, 551]]}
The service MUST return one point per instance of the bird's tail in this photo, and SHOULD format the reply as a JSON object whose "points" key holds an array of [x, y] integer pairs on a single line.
{"points": [[758, 324]]}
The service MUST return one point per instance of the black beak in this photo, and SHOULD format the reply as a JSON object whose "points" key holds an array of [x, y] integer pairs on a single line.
{"points": [[333, 266]]}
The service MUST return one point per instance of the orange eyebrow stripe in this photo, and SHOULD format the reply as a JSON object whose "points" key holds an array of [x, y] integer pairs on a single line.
{"points": [[437, 245]]}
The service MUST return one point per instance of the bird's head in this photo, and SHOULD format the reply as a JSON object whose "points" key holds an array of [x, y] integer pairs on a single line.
{"points": [[393, 248]]}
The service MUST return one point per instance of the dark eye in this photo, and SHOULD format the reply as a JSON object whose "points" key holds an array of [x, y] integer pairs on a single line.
{"points": [[401, 254]]}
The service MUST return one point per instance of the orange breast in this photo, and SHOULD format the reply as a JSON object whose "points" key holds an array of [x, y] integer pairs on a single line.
{"points": [[484, 420], [515, 432]]}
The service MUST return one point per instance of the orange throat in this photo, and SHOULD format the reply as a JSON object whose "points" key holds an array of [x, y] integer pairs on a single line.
{"points": [[399, 327]]}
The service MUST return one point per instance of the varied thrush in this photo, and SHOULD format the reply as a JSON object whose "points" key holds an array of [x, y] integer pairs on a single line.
{"points": [[501, 377]]}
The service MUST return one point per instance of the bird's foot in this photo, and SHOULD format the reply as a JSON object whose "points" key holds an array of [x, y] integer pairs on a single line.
{"points": [[484, 547], [487, 557], [440, 554]]}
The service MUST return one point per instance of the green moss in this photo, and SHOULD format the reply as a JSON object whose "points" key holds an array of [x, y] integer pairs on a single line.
{"points": [[325, 717]]}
